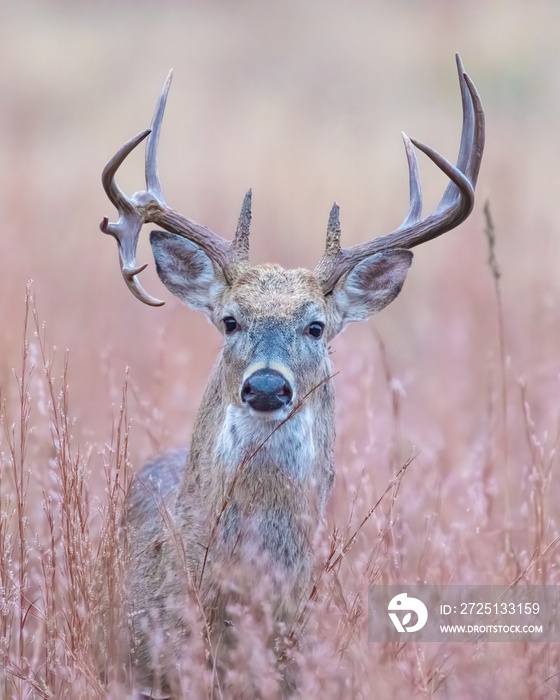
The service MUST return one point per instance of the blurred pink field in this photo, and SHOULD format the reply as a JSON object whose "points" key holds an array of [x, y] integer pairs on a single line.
{"points": [[303, 102]]}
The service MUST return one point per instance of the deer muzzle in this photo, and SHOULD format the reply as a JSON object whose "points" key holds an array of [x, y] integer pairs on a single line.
{"points": [[266, 390]]}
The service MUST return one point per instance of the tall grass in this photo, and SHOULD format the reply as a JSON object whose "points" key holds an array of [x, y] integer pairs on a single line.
{"points": [[57, 560]]}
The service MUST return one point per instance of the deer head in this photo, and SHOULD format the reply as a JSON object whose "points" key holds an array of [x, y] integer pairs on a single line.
{"points": [[277, 323]]}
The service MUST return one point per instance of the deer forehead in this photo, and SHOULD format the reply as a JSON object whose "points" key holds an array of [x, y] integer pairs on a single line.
{"points": [[271, 290]]}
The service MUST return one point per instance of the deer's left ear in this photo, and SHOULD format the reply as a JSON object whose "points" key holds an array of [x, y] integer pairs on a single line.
{"points": [[371, 285]]}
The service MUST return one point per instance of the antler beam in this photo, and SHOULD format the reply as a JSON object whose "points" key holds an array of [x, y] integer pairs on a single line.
{"points": [[148, 206], [455, 206]]}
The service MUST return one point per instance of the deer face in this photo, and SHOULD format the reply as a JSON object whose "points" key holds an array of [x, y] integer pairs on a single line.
{"points": [[275, 348], [276, 323]]}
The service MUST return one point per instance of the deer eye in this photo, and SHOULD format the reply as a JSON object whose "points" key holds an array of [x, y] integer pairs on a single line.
{"points": [[230, 325], [315, 329]]}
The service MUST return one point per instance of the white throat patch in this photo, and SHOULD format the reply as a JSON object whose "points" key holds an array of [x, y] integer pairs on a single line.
{"points": [[291, 447]]}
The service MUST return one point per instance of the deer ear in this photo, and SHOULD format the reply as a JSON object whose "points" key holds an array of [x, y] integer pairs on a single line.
{"points": [[186, 271], [371, 285]]}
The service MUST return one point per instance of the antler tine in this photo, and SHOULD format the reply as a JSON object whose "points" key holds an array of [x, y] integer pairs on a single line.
{"points": [[455, 205], [415, 208], [467, 132], [152, 176], [332, 245], [466, 162], [478, 134], [472, 141], [241, 241], [112, 190]]}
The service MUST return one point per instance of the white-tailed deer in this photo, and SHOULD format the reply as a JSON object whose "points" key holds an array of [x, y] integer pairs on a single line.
{"points": [[260, 467]]}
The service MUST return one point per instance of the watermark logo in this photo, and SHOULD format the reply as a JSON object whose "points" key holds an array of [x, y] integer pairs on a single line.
{"points": [[405, 603], [469, 613]]}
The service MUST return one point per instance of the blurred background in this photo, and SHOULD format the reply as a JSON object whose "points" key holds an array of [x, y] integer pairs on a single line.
{"points": [[305, 103], [302, 101]]}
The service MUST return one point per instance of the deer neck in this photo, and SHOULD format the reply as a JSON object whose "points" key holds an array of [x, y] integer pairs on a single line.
{"points": [[262, 465]]}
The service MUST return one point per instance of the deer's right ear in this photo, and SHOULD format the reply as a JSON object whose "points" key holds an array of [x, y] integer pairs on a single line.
{"points": [[186, 271]]}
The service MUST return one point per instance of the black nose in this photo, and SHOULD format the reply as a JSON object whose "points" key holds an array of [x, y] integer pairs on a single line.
{"points": [[266, 390]]}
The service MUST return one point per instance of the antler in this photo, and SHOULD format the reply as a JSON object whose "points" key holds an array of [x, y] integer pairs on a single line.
{"points": [[148, 206], [455, 206]]}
